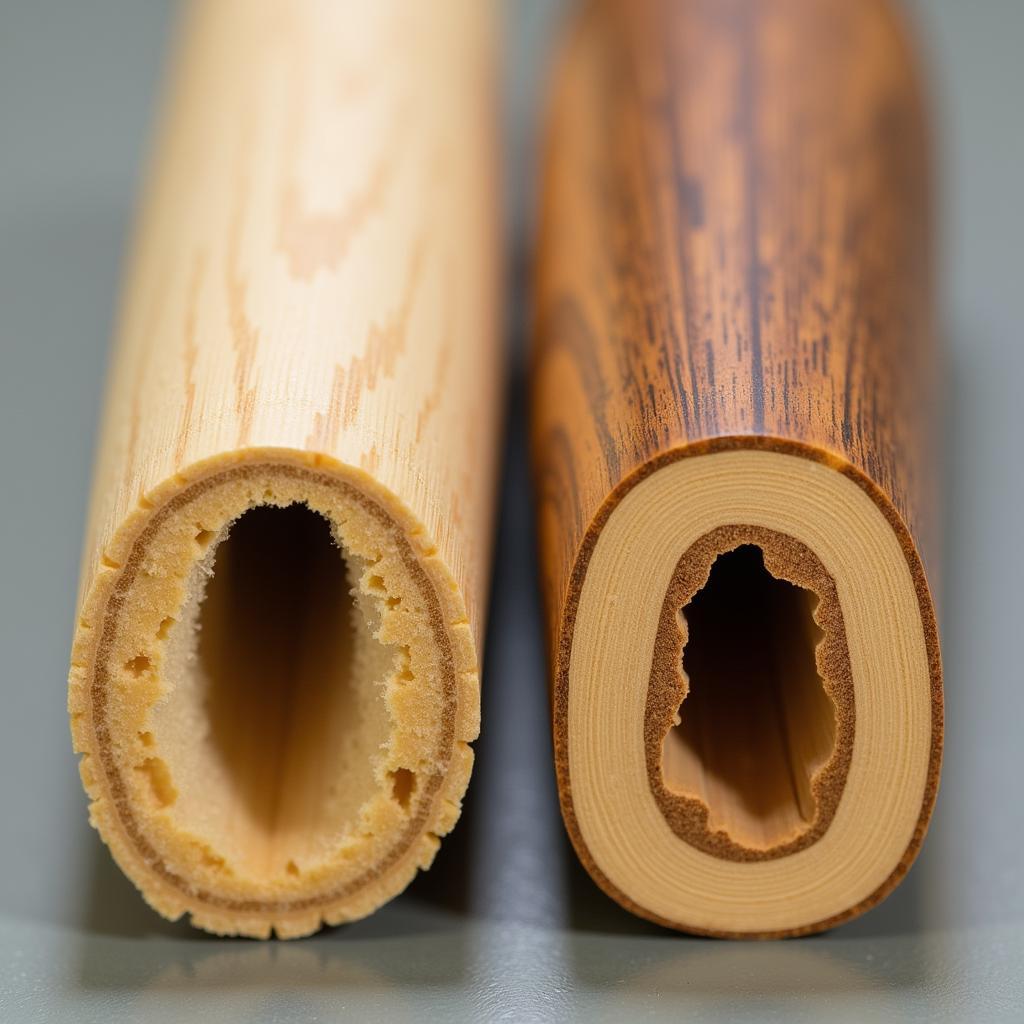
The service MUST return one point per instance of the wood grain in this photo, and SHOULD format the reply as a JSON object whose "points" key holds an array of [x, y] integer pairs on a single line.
{"points": [[735, 255], [312, 293]]}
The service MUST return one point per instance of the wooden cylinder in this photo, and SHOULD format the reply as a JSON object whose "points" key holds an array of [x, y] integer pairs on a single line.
{"points": [[274, 676], [734, 443]]}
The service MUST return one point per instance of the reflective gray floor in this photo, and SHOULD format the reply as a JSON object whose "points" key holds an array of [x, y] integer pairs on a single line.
{"points": [[506, 925]]}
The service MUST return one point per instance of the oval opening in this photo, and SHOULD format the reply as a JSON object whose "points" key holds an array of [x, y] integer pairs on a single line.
{"points": [[271, 739], [756, 724]]}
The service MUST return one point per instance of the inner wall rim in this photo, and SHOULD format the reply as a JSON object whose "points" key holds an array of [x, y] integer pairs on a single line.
{"points": [[563, 649], [116, 603], [785, 558]]}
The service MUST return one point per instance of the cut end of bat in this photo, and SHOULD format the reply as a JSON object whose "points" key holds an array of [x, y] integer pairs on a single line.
{"points": [[763, 680], [277, 702]]}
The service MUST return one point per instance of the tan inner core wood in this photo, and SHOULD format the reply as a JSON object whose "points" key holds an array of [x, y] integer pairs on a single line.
{"points": [[282, 676], [756, 724]]}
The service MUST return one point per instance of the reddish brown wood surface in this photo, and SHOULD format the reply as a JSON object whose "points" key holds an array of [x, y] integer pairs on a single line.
{"points": [[734, 242], [735, 252]]}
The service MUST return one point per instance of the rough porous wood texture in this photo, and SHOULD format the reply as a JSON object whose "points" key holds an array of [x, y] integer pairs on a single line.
{"points": [[310, 316], [787, 559], [735, 254]]}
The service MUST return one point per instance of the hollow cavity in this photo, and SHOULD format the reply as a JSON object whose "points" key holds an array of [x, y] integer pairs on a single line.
{"points": [[275, 720], [756, 723]]}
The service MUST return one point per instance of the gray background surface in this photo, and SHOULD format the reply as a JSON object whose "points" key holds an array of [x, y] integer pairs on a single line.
{"points": [[506, 925]]}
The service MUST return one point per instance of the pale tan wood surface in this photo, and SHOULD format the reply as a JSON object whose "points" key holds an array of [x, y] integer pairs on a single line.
{"points": [[312, 293]]}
